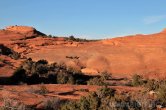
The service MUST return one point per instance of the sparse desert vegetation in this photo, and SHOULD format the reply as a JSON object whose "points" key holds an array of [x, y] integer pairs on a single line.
{"points": [[84, 76], [105, 98]]}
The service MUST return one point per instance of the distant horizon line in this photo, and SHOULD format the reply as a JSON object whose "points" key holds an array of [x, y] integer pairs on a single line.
{"points": [[87, 36]]}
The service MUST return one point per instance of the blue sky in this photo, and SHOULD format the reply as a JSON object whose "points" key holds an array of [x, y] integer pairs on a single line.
{"points": [[86, 18]]}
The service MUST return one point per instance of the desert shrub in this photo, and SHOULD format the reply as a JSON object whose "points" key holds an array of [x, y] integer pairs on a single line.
{"points": [[106, 99], [96, 81], [137, 80], [106, 95], [105, 92], [33, 79], [18, 76], [162, 93], [11, 104], [152, 85], [94, 101], [42, 61], [64, 78], [105, 75], [72, 38], [52, 104], [62, 65], [70, 105], [15, 55], [123, 102], [53, 66], [50, 36], [52, 78], [84, 90], [90, 103], [27, 66], [4, 50], [41, 90], [145, 102], [41, 69]]}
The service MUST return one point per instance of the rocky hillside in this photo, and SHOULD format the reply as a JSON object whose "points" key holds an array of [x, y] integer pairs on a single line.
{"points": [[122, 56]]}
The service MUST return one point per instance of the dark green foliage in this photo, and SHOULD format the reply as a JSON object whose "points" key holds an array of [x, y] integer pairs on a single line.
{"points": [[100, 80], [41, 71], [105, 75], [65, 78], [72, 38], [50, 36], [5, 50], [123, 102], [52, 104], [162, 93], [9, 52], [18, 76], [28, 65], [96, 81], [42, 62], [40, 67], [106, 92], [84, 90], [11, 104], [15, 55], [84, 104], [152, 85], [41, 90], [92, 102], [70, 105], [137, 80], [106, 99]]}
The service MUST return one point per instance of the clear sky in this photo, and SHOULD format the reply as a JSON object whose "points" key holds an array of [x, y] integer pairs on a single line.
{"points": [[86, 18]]}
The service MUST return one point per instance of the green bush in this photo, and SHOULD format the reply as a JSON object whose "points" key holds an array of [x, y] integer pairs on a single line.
{"points": [[70, 105], [105, 75], [11, 104], [162, 93], [41, 90], [72, 38], [41, 69], [27, 65], [15, 55], [91, 102], [96, 81], [18, 76], [152, 85], [64, 78], [52, 104], [4, 50], [137, 80], [105, 92], [42, 62]]}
